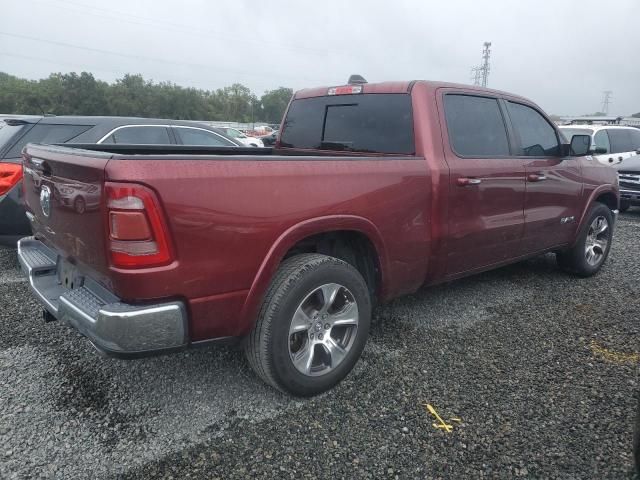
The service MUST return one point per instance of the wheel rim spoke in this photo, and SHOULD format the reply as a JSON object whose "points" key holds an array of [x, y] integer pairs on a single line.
{"points": [[323, 329], [329, 294], [304, 359], [335, 351], [601, 245], [602, 226], [300, 323], [597, 240], [345, 317]]}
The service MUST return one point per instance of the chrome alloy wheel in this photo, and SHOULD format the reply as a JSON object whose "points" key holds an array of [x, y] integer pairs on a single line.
{"points": [[597, 240], [323, 329]]}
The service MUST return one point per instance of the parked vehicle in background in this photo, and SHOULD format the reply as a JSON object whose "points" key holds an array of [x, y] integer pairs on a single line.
{"points": [[629, 179], [370, 192], [240, 136], [611, 144], [270, 140], [16, 132], [261, 130]]}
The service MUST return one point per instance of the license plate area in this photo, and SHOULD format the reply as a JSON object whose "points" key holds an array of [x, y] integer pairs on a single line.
{"points": [[68, 275]]}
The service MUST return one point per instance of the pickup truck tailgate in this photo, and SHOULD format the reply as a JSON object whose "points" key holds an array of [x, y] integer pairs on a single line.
{"points": [[63, 191]]}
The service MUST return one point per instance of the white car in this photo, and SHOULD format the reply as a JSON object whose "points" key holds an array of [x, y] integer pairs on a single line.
{"points": [[241, 137], [610, 144]]}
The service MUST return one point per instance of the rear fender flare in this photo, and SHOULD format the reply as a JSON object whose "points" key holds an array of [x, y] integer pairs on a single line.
{"points": [[288, 239]]}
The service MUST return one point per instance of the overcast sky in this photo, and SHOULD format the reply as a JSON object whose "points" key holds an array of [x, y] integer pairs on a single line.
{"points": [[560, 54]]}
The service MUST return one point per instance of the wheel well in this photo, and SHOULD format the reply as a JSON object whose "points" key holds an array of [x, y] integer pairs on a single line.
{"points": [[350, 246], [608, 199]]}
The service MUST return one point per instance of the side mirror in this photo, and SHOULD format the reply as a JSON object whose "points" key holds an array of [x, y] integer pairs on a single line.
{"points": [[580, 145], [599, 150]]}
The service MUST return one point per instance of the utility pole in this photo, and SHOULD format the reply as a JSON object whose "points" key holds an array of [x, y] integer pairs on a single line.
{"points": [[606, 101], [480, 75]]}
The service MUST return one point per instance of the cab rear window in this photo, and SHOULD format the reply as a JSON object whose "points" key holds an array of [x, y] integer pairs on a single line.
{"points": [[370, 123]]}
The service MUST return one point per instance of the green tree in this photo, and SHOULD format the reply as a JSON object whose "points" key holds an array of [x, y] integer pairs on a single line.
{"points": [[274, 103], [132, 95]]}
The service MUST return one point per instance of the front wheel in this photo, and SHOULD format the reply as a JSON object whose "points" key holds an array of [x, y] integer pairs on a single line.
{"points": [[592, 247], [312, 326]]}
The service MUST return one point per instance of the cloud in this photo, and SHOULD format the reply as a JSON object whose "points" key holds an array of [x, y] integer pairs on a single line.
{"points": [[560, 55]]}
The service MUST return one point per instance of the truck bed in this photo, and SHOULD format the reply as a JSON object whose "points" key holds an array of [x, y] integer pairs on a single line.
{"points": [[229, 214]]}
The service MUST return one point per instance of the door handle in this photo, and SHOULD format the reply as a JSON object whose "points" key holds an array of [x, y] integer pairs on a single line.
{"points": [[536, 177], [465, 181]]}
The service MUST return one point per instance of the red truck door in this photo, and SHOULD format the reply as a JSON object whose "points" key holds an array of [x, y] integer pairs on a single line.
{"points": [[554, 183], [486, 182]]}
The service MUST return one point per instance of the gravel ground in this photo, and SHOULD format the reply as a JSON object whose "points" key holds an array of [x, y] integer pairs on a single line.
{"points": [[540, 367]]}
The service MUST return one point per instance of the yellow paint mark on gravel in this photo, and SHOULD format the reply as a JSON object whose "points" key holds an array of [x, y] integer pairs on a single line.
{"points": [[442, 424], [620, 358]]}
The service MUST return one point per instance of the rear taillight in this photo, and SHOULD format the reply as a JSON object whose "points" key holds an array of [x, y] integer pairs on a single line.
{"points": [[10, 175], [138, 235]]}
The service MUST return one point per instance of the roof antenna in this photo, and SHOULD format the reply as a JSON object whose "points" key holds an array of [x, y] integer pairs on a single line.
{"points": [[356, 80]]}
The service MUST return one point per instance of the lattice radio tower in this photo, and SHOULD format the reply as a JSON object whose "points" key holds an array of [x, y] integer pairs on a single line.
{"points": [[480, 74], [606, 101]]}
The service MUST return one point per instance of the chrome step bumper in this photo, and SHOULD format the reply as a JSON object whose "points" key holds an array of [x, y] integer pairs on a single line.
{"points": [[114, 327]]}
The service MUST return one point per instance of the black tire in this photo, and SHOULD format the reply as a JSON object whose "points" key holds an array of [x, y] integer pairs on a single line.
{"points": [[624, 207], [267, 347], [573, 260]]}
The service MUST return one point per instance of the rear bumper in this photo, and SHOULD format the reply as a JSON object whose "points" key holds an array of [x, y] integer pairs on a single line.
{"points": [[114, 327]]}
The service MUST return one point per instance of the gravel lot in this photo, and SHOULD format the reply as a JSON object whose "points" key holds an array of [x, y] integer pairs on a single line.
{"points": [[540, 367]]}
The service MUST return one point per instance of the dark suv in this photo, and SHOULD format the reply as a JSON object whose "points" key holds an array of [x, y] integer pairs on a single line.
{"points": [[16, 132]]}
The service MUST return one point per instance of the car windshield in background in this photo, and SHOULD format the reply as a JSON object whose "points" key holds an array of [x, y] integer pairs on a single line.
{"points": [[570, 132], [372, 123], [7, 133]]}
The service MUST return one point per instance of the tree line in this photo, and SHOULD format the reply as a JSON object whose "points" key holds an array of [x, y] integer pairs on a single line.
{"points": [[132, 95]]}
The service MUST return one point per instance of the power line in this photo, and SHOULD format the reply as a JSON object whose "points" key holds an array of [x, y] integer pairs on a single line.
{"points": [[94, 68], [128, 17], [152, 59]]}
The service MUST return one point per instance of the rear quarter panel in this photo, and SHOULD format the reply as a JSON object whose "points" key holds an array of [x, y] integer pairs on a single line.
{"points": [[232, 218]]}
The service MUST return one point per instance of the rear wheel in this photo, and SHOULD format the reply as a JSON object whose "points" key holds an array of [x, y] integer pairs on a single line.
{"points": [[312, 327], [591, 249], [624, 207]]}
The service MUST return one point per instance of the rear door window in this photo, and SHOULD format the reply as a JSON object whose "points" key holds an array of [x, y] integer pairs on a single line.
{"points": [[620, 140], [45, 133], [476, 127], [140, 135], [537, 137], [373, 123], [196, 136]]}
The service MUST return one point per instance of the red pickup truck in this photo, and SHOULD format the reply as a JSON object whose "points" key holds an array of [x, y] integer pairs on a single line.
{"points": [[371, 191]]}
